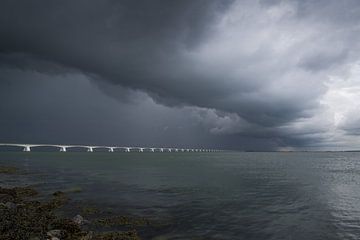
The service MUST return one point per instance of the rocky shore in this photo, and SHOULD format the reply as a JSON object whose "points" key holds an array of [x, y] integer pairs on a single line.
{"points": [[25, 215]]}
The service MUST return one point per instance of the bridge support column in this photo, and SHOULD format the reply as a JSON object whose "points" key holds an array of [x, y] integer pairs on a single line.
{"points": [[111, 149], [161, 150], [127, 149], [62, 149], [90, 149], [152, 149], [27, 149], [141, 149]]}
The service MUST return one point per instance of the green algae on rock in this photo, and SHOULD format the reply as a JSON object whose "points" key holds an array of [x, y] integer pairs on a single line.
{"points": [[89, 210], [122, 221], [128, 235], [8, 170], [23, 218], [17, 193], [75, 189]]}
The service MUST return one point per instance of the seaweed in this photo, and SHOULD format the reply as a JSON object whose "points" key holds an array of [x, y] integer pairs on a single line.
{"points": [[122, 221], [24, 218], [8, 170]]}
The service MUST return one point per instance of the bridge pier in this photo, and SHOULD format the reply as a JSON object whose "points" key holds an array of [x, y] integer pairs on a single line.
{"points": [[127, 149], [27, 149], [111, 149], [152, 149], [141, 149], [62, 149], [90, 149]]}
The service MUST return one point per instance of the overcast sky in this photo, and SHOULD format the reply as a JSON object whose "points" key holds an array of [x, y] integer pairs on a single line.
{"points": [[246, 75]]}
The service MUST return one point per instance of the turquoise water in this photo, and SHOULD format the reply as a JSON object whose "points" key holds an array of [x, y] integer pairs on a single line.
{"points": [[231, 195]]}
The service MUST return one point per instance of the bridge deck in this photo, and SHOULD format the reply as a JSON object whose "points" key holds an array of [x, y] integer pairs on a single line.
{"points": [[90, 148]]}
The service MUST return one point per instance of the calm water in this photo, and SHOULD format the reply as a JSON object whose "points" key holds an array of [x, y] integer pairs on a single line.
{"points": [[212, 195]]}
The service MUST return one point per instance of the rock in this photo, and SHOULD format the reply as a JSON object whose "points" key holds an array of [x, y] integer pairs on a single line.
{"points": [[128, 235], [68, 226], [18, 192], [88, 236], [122, 221], [10, 205], [5, 198], [74, 190], [56, 233], [8, 170], [88, 210], [59, 199], [162, 237], [78, 219], [34, 238], [58, 194]]}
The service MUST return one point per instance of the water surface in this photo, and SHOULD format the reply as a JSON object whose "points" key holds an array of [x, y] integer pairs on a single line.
{"points": [[231, 195]]}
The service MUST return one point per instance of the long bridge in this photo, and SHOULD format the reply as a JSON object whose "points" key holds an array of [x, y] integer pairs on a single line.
{"points": [[91, 148]]}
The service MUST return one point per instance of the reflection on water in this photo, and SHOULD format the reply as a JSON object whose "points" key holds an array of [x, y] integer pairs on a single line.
{"points": [[212, 195]]}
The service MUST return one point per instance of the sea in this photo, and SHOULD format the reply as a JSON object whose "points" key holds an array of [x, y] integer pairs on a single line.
{"points": [[222, 195]]}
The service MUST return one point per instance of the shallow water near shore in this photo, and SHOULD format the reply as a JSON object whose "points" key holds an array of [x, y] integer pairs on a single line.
{"points": [[227, 195]]}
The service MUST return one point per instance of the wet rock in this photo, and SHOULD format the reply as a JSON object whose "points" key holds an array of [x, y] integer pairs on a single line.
{"points": [[28, 220], [68, 226], [88, 236], [88, 210], [59, 199], [8, 170], [122, 221], [9, 205], [21, 217], [5, 198], [58, 194], [55, 233], [34, 238], [73, 190], [18, 192], [78, 219], [128, 235]]}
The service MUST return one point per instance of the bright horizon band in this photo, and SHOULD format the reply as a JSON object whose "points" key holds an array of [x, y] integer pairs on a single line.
{"points": [[90, 148]]}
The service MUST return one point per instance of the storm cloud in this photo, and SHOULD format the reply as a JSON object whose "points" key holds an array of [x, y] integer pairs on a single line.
{"points": [[245, 74]]}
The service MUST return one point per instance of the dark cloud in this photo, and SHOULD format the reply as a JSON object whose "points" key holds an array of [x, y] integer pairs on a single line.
{"points": [[37, 107], [254, 70]]}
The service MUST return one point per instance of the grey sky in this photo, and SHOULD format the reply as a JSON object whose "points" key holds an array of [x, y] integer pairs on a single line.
{"points": [[260, 75]]}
